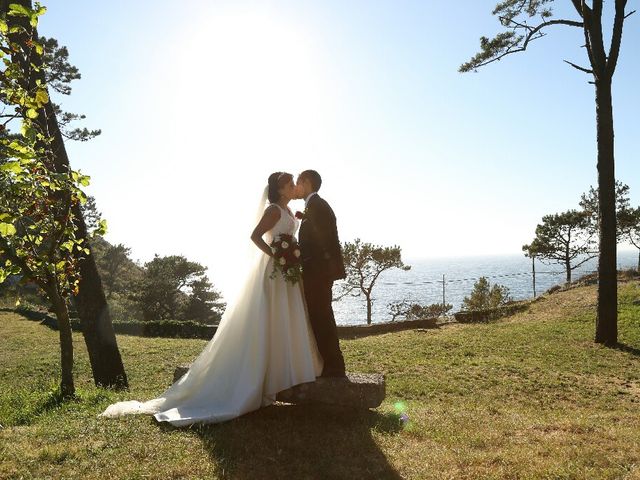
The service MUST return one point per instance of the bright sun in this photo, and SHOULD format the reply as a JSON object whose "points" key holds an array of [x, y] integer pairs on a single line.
{"points": [[249, 95]]}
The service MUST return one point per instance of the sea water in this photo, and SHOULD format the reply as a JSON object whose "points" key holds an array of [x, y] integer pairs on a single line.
{"points": [[424, 282]]}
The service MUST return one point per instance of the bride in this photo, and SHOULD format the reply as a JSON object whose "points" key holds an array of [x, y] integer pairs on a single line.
{"points": [[263, 345]]}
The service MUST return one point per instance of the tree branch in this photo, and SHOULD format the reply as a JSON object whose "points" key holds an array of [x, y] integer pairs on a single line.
{"points": [[499, 42], [582, 69], [616, 37], [593, 35], [576, 4]]}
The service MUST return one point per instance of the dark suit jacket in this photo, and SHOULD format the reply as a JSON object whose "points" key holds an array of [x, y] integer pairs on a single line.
{"points": [[319, 243]]}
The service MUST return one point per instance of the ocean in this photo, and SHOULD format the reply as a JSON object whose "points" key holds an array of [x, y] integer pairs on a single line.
{"points": [[423, 283]]}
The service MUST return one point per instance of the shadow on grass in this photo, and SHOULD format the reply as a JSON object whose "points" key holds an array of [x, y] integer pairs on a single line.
{"points": [[628, 349], [28, 407], [301, 442]]}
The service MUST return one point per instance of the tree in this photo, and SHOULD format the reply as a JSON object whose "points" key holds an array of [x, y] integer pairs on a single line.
{"points": [[91, 214], [163, 292], [514, 15], [38, 235], [114, 258], [97, 329], [204, 304], [485, 296], [364, 263], [589, 203], [563, 238], [630, 225]]}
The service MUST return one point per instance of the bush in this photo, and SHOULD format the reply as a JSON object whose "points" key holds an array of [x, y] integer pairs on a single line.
{"points": [[163, 328], [166, 328], [484, 296], [481, 316], [416, 311]]}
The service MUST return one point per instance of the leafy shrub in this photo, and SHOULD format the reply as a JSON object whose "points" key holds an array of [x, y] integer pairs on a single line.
{"points": [[416, 311], [485, 296]]}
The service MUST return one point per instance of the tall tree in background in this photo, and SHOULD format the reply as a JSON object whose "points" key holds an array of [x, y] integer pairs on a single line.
{"points": [[589, 203], [173, 287], [515, 16], [563, 238], [114, 258], [91, 214], [53, 66], [630, 226], [364, 263]]}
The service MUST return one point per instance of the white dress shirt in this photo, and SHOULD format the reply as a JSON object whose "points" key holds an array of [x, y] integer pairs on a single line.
{"points": [[306, 200]]}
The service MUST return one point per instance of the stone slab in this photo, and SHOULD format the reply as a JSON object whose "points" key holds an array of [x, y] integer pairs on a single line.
{"points": [[360, 390]]}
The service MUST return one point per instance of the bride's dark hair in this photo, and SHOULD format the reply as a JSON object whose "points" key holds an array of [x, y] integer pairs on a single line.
{"points": [[277, 180]]}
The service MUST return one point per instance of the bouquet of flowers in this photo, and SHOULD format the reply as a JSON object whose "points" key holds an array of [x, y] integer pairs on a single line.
{"points": [[286, 258]]}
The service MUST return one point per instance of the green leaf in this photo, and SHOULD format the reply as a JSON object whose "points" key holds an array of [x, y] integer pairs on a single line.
{"points": [[19, 10], [84, 180], [12, 167], [7, 229], [42, 96], [4, 28], [32, 113], [102, 228], [27, 130]]}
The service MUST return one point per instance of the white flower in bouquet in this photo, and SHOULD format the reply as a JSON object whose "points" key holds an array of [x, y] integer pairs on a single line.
{"points": [[296, 253], [282, 261], [285, 245]]}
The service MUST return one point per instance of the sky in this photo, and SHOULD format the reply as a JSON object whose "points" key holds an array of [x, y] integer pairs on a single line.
{"points": [[200, 100]]}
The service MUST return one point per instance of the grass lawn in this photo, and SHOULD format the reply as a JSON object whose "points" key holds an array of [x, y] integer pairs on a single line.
{"points": [[530, 396]]}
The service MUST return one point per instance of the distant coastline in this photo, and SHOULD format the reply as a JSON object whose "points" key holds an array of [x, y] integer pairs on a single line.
{"points": [[423, 283]]}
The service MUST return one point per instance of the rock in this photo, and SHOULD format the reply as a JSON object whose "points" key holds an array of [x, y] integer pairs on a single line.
{"points": [[362, 390], [180, 371]]}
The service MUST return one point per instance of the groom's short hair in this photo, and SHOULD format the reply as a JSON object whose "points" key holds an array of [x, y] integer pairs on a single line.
{"points": [[313, 177]]}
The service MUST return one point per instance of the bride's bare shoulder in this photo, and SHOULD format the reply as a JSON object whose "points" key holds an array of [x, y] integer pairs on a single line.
{"points": [[273, 211]]}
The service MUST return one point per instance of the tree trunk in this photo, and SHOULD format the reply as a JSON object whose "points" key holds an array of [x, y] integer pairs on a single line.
{"points": [[368, 310], [67, 387], [97, 329], [567, 266], [607, 316], [533, 270]]}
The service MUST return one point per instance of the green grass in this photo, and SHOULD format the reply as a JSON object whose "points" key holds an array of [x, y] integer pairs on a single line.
{"points": [[530, 396]]}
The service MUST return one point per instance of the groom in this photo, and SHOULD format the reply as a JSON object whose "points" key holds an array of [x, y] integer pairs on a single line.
{"points": [[322, 264]]}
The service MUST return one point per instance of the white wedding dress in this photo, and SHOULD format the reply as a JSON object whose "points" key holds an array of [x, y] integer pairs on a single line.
{"points": [[263, 345]]}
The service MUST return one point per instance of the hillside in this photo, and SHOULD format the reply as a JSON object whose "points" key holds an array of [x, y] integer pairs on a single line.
{"points": [[529, 396]]}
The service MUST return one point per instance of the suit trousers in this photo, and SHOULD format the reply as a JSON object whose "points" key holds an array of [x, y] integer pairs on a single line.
{"points": [[317, 291]]}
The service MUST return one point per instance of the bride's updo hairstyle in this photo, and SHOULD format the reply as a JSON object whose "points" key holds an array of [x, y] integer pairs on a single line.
{"points": [[277, 180]]}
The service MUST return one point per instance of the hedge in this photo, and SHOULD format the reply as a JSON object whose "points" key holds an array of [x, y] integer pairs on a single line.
{"points": [[481, 316]]}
